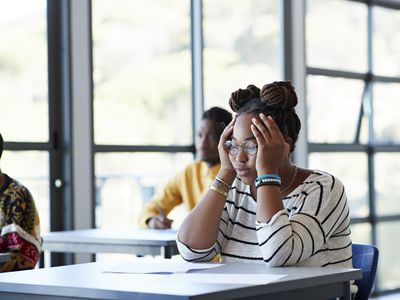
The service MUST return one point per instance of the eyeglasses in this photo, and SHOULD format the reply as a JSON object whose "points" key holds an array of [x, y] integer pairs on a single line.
{"points": [[248, 147]]}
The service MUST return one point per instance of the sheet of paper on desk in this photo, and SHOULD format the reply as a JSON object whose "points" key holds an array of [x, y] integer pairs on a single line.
{"points": [[158, 267], [242, 279]]}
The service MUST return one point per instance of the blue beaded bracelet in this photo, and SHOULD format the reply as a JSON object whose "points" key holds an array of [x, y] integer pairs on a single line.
{"points": [[267, 183], [268, 176], [264, 181]]}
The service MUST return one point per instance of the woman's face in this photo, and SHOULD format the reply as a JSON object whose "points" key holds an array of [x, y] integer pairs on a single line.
{"points": [[244, 163]]}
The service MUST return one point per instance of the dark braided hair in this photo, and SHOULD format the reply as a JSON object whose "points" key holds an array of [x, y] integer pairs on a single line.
{"points": [[219, 117], [276, 99]]}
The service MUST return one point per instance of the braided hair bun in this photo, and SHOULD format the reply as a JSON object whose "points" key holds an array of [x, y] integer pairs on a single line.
{"points": [[279, 95], [277, 99], [240, 97]]}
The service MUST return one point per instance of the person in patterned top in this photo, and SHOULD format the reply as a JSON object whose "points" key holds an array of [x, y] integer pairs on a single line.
{"points": [[19, 224]]}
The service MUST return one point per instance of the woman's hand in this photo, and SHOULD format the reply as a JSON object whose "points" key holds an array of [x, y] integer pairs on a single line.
{"points": [[226, 165], [272, 147], [159, 222]]}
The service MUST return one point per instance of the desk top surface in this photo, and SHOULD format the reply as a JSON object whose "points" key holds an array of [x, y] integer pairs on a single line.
{"points": [[4, 257], [90, 281], [126, 236]]}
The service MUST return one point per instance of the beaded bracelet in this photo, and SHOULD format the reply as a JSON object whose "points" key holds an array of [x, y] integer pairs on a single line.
{"points": [[278, 181], [218, 190], [266, 181], [260, 184], [268, 176]]}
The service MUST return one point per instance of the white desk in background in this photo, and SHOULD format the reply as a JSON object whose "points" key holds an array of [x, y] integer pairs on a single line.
{"points": [[4, 257], [134, 241], [89, 281]]}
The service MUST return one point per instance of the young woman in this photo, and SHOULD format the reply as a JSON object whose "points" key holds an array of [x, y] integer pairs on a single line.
{"points": [[261, 207]]}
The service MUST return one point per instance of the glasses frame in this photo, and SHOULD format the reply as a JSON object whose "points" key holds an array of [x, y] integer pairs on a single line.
{"points": [[234, 149]]}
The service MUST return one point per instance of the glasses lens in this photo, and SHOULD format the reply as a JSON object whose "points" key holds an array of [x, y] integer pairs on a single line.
{"points": [[232, 148], [250, 148]]}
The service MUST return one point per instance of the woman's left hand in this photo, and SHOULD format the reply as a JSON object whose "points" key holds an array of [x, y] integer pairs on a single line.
{"points": [[272, 147]]}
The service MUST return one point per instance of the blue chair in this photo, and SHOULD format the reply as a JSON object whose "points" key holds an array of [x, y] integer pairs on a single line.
{"points": [[365, 257]]}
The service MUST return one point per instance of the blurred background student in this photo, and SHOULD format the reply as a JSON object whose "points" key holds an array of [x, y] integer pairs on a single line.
{"points": [[19, 224], [188, 186]]}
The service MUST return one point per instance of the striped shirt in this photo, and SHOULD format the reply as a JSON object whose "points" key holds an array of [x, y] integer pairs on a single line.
{"points": [[312, 230]]}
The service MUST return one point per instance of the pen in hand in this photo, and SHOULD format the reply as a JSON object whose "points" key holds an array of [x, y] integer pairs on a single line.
{"points": [[160, 221], [160, 211]]}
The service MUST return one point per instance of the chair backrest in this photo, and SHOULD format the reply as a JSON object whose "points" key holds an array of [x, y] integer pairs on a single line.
{"points": [[365, 257]]}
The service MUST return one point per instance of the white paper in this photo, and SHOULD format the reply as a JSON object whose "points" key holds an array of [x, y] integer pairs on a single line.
{"points": [[159, 267], [242, 279]]}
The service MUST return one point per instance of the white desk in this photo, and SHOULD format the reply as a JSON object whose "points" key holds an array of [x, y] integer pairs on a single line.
{"points": [[136, 241], [87, 281], [4, 257]]}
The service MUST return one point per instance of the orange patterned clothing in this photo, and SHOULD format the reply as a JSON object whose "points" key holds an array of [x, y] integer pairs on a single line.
{"points": [[19, 225]]}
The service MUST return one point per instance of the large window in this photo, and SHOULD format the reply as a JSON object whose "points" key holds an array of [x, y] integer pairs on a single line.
{"points": [[142, 102], [24, 109], [241, 47], [142, 82], [353, 84], [143, 87]]}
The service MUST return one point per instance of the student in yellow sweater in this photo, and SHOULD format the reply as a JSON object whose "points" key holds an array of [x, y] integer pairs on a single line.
{"points": [[189, 185]]}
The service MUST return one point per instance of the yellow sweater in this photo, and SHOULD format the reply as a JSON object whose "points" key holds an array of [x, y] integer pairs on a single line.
{"points": [[186, 187]]}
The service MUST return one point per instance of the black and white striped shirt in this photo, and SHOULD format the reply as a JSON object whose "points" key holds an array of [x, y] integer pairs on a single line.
{"points": [[312, 230]]}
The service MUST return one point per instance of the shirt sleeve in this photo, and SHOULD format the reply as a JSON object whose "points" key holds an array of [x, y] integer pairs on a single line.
{"points": [[295, 234], [20, 235], [201, 255], [165, 200]]}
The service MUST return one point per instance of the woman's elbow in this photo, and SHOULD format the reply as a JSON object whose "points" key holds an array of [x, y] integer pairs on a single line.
{"points": [[273, 263], [279, 259]]}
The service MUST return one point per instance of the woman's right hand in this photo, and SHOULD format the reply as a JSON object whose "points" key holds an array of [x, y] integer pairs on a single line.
{"points": [[226, 165]]}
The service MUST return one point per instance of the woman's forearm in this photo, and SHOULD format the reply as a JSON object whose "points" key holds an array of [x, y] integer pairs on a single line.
{"points": [[200, 228], [269, 202]]}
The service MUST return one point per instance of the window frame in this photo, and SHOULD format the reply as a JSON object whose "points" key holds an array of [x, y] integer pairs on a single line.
{"points": [[371, 148]]}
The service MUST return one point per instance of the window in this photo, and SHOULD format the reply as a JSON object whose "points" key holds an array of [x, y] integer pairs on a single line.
{"points": [[24, 113], [240, 48], [142, 73], [353, 83], [386, 41], [336, 35], [332, 104], [143, 86], [142, 102], [125, 181]]}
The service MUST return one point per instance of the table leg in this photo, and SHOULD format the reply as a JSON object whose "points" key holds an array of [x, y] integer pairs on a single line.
{"points": [[346, 291], [41, 261], [166, 252]]}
